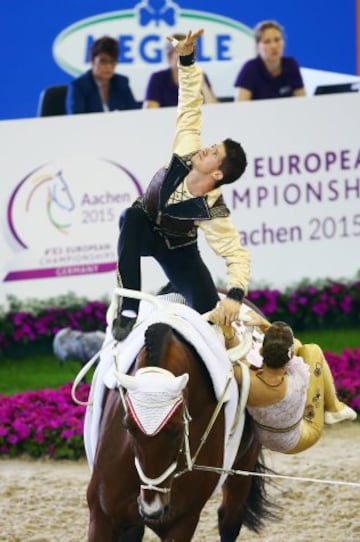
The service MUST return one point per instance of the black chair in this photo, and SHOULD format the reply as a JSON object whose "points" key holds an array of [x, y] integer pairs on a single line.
{"points": [[52, 101]]}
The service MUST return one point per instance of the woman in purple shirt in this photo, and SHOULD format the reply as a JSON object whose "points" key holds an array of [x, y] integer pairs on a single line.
{"points": [[163, 86], [270, 74]]}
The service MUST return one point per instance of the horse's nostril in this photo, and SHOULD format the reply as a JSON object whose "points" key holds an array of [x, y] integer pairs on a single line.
{"points": [[152, 514]]}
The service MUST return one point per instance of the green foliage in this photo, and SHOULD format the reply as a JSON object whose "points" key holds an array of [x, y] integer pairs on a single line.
{"points": [[332, 340], [35, 371]]}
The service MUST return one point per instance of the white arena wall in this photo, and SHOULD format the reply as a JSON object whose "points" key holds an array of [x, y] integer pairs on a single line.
{"points": [[65, 180]]}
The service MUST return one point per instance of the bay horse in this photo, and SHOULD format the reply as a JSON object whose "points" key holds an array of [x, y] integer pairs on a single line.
{"points": [[151, 424]]}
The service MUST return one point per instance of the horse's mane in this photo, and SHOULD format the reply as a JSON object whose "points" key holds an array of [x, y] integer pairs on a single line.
{"points": [[157, 338]]}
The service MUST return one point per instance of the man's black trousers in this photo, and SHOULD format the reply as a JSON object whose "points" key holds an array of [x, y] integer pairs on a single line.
{"points": [[183, 266]]}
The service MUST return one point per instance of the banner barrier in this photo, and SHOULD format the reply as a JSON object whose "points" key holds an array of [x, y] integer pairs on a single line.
{"points": [[65, 181]]}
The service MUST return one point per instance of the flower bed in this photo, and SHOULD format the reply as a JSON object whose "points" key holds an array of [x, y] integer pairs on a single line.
{"points": [[48, 423], [22, 326], [43, 423], [326, 305]]}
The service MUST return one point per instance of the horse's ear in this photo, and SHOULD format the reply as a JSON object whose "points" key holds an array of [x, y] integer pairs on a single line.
{"points": [[180, 382], [127, 381]]}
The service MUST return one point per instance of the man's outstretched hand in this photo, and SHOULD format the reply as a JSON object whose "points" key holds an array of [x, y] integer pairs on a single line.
{"points": [[186, 46], [226, 312]]}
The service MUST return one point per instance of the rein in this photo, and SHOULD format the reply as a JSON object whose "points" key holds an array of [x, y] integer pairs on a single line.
{"points": [[190, 461], [84, 370]]}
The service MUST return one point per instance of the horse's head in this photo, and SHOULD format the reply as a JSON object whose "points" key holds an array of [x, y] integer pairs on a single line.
{"points": [[156, 417]]}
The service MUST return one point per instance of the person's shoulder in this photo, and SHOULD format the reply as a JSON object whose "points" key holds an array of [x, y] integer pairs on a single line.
{"points": [[297, 366], [290, 62], [83, 79], [160, 75], [120, 79], [214, 196], [250, 64], [248, 72]]}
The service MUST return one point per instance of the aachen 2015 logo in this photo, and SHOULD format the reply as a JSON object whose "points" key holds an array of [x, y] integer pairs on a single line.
{"points": [[63, 198], [142, 32]]}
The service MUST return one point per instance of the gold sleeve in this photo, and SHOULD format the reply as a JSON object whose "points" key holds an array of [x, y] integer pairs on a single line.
{"points": [[188, 120], [224, 239]]}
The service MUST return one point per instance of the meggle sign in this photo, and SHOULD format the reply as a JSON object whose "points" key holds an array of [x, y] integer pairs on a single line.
{"points": [[142, 33]]}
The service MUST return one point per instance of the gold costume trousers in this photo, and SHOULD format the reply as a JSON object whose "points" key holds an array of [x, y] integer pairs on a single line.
{"points": [[321, 396]]}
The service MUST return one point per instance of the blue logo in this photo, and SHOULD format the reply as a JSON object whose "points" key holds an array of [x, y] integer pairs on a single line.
{"points": [[157, 11]]}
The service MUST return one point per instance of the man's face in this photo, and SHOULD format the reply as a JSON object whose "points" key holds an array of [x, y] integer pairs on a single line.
{"points": [[103, 67], [209, 159]]}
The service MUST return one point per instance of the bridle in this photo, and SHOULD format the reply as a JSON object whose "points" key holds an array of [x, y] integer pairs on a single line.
{"points": [[152, 484]]}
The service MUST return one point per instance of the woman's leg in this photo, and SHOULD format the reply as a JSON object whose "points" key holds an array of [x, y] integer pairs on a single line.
{"points": [[322, 403], [335, 410], [313, 419], [331, 402]]}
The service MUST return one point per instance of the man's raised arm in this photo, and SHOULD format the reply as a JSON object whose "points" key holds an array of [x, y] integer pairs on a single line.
{"points": [[188, 121]]}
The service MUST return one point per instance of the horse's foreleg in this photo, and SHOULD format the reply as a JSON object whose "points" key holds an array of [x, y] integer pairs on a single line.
{"points": [[135, 534], [182, 531], [100, 529], [231, 512]]}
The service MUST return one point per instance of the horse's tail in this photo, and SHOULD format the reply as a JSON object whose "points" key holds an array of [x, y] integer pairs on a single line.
{"points": [[258, 508]]}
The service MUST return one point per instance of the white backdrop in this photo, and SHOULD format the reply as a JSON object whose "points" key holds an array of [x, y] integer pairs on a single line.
{"points": [[64, 181]]}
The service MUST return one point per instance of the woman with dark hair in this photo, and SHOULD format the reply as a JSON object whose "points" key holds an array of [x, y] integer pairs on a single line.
{"points": [[270, 74], [100, 88], [293, 394]]}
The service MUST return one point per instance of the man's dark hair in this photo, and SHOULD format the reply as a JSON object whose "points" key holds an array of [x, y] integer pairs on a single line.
{"points": [[106, 45], [234, 164]]}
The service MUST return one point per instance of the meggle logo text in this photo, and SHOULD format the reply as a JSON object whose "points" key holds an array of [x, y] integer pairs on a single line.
{"points": [[142, 32]]}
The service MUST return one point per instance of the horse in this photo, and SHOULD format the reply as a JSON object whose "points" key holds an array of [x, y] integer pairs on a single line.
{"points": [[152, 424]]}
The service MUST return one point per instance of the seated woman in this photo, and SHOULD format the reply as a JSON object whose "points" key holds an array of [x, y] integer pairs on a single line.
{"points": [[270, 74], [100, 88], [293, 393], [163, 86]]}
